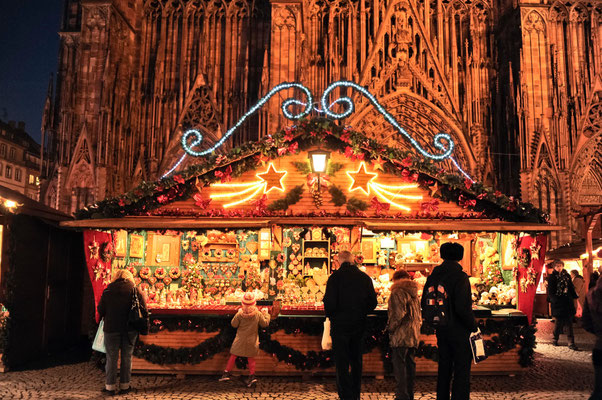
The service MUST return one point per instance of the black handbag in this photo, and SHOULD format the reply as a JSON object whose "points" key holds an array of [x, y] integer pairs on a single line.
{"points": [[138, 319]]}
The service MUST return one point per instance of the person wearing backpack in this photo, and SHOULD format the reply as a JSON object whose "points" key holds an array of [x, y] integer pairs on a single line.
{"points": [[349, 297], [403, 326], [447, 307]]}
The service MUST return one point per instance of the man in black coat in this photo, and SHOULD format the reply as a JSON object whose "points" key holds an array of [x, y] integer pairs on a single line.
{"points": [[562, 295], [348, 299], [455, 354]]}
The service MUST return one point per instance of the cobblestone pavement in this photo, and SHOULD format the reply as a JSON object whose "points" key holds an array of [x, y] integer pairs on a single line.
{"points": [[558, 374]]}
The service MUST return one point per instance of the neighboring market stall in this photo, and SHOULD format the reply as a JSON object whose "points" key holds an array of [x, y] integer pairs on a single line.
{"points": [[41, 291], [271, 217]]}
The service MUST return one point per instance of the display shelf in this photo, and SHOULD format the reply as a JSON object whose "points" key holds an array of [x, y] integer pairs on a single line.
{"points": [[315, 261]]}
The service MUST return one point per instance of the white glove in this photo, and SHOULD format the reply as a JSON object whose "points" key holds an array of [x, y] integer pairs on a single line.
{"points": [[264, 310]]}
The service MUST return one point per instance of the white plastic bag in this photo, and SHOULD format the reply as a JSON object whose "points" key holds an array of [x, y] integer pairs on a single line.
{"points": [[478, 347], [326, 339], [99, 341]]}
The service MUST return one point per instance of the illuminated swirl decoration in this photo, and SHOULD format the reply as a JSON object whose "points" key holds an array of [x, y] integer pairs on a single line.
{"points": [[347, 103], [441, 141], [198, 137]]}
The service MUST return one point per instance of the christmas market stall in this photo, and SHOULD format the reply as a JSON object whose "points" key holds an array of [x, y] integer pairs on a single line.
{"points": [[271, 217], [41, 291]]}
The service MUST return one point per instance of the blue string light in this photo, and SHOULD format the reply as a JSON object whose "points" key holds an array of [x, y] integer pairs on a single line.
{"points": [[349, 107], [439, 140], [198, 137]]}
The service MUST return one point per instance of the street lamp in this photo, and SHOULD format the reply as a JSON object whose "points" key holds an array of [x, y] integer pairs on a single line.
{"points": [[318, 160]]}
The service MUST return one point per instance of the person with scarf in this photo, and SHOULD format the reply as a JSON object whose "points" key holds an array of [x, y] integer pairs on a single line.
{"points": [[403, 326], [592, 322], [247, 321], [562, 295]]}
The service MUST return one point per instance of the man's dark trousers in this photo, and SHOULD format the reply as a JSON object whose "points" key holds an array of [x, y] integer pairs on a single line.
{"points": [[347, 345], [455, 358]]}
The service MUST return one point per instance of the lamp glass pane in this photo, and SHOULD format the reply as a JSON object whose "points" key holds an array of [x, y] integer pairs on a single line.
{"points": [[318, 162]]}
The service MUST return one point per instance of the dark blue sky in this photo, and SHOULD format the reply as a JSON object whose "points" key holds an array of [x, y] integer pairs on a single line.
{"points": [[28, 55]]}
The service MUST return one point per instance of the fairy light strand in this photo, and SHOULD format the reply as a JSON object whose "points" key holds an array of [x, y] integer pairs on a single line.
{"points": [[441, 141]]}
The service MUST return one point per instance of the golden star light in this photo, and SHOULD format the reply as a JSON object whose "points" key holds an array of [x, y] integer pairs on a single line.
{"points": [[366, 181], [361, 178], [268, 180]]}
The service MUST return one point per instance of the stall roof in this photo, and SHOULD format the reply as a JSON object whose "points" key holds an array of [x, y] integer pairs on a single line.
{"points": [[448, 197], [572, 250], [32, 207]]}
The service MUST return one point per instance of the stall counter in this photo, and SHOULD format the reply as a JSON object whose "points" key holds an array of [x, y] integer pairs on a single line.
{"points": [[198, 342]]}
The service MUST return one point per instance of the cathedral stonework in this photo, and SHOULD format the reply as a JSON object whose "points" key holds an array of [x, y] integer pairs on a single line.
{"points": [[517, 84]]}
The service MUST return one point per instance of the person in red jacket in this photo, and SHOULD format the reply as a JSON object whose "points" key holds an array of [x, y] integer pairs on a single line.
{"points": [[349, 297], [114, 306]]}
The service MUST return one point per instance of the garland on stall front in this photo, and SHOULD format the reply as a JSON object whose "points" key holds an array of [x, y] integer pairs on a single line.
{"points": [[505, 335], [473, 196]]}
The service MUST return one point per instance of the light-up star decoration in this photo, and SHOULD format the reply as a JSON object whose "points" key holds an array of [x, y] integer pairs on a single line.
{"points": [[366, 182], [361, 178], [268, 180], [272, 178]]}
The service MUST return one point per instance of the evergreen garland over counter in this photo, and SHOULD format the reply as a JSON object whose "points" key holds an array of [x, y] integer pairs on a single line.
{"points": [[506, 334]]}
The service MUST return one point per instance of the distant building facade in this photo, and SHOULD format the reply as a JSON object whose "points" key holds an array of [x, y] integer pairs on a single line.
{"points": [[19, 160], [517, 84]]}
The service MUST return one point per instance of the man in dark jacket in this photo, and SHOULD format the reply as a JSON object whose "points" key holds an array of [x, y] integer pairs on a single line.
{"points": [[348, 299], [562, 295], [455, 354]]}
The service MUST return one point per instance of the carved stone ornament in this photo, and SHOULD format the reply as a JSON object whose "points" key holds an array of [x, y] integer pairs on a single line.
{"points": [[97, 17], [535, 22]]}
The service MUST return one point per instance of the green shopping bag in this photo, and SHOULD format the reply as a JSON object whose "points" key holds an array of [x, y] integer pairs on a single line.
{"points": [[99, 340]]}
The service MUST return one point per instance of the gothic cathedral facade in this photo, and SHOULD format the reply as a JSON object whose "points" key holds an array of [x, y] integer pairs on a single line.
{"points": [[517, 84]]}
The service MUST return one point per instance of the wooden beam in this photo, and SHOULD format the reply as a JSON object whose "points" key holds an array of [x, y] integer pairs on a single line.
{"points": [[460, 225], [159, 222], [589, 247], [167, 222]]}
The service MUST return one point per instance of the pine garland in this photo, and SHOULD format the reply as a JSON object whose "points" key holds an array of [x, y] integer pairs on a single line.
{"points": [[354, 205], [337, 195], [505, 334], [484, 202], [303, 167], [291, 198], [334, 167]]}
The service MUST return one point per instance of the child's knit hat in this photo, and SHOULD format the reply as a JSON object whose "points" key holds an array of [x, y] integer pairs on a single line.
{"points": [[248, 299]]}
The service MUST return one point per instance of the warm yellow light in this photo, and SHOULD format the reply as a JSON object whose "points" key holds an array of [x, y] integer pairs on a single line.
{"points": [[381, 196], [234, 194], [236, 184], [10, 204], [361, 178], [398, 187], [249, 197], [594, 252], [394, 195], [318, 162], [272, 178]]}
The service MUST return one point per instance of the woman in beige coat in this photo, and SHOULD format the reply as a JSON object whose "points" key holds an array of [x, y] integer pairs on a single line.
{"points": [[404, 322], [247, 320]]}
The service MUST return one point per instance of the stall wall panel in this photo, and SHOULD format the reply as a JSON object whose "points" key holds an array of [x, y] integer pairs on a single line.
{"points": [[505, 363], [46, 302], [306, 204]]}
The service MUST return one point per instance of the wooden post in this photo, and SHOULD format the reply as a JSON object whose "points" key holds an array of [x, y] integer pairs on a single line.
{"points": [[589, 263]]}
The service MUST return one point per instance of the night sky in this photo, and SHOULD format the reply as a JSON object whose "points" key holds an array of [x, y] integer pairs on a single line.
{"points": [[28, 55]]}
